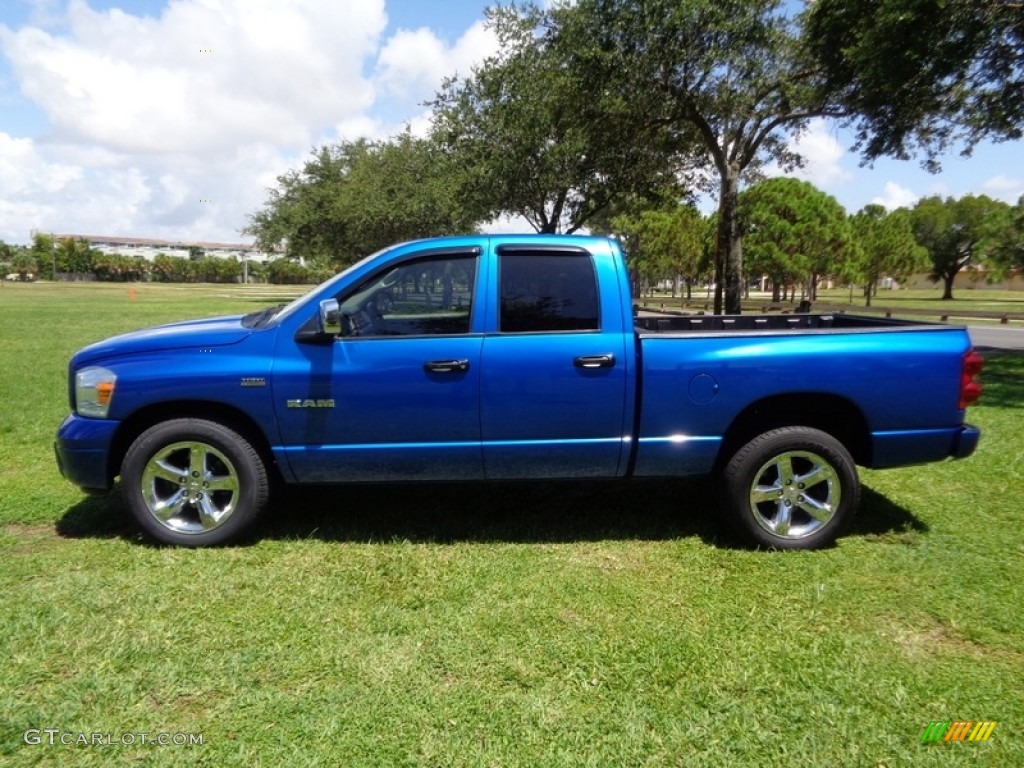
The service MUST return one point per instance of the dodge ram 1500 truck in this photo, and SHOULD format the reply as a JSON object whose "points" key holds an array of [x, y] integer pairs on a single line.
{"points": [[503, 358]]}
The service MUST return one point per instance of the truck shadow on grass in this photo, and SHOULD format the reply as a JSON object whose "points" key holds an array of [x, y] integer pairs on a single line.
{"points": [[494, 512]]}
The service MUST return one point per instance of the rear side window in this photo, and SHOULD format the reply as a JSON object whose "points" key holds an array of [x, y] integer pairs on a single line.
{"points": [[547, 292]]}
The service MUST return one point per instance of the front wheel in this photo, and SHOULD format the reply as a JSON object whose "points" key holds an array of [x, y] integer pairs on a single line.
{"points": [[791, 488], [194, 483]]}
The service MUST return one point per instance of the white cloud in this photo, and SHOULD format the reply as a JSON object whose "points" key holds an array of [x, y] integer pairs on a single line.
{"points": [[823, 154], [412, 64], [145, 117], [1004, 187], [507, 225], [202, 77], [23, 172], [56, 195], [895, 197]]}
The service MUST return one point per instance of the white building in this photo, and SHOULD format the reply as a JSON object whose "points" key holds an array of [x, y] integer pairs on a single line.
{"points": [[149, 248]]}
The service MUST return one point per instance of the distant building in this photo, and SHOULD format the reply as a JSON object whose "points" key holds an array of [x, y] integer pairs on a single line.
{"points": [[149, 248]]}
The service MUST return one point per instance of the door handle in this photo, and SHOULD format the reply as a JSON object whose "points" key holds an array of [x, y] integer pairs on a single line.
{"points": [[446, 366], [594, 361]]}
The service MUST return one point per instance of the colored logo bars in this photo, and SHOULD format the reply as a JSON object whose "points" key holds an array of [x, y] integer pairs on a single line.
{"points": [[958, 730]]}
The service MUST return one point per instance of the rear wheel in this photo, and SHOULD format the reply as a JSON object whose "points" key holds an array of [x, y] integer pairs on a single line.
{"points": [[194, 483], [791, 488]]}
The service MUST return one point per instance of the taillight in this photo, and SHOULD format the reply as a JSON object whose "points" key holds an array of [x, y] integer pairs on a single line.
{"points": [[970, 390]]}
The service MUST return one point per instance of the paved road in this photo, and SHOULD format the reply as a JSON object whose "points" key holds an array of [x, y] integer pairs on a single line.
{"points": [[997, 336]]}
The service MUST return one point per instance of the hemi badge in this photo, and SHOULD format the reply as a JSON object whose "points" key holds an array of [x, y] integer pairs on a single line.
{"points": [[253, 381]]}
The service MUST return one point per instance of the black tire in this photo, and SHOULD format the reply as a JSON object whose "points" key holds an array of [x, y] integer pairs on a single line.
{"points": [[791, 488], [194, 483]]}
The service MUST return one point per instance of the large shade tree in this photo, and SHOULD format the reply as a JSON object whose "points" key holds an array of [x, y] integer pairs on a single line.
{"points": [[536, 138], [922, 75], [355, 197], [729, 79]]}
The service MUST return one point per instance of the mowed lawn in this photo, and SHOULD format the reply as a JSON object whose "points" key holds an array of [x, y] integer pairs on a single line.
{"points": [[508, 625]]}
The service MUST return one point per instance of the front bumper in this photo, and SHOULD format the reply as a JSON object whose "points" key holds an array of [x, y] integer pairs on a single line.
{"points": [[83, 451]]}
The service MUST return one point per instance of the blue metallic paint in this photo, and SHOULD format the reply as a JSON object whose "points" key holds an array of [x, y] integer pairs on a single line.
{"points": [[522, 409]]}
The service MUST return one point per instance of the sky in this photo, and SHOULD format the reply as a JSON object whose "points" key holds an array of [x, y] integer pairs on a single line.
{"points": [[172, 118]]}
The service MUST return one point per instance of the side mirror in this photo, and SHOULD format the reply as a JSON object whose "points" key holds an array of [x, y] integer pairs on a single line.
{"points": [[330, 317]]}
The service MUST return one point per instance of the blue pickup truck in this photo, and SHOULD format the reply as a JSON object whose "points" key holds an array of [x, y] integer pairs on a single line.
{"points": [[510, 358]]}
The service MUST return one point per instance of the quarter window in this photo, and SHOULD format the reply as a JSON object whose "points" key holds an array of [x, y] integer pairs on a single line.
{"points": [[547, 292]]}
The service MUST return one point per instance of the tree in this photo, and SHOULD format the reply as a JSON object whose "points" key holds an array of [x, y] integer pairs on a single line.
{"points": [[885, 247], [6, 252], [663, 245], [1008, 253], [957, 233], [17, 259], [793, 233], [42, 250], [355, 197], [74, 256], [171, 269], [537, 137], [923, 74], [24, 264], [727, 77], [408, 188], [119, 267]]}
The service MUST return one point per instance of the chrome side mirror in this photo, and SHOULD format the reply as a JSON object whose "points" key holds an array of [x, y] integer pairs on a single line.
{"points": [[330, 317]]}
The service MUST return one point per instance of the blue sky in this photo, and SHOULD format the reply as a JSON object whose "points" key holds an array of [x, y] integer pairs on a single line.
{"points": [[171, 118]]}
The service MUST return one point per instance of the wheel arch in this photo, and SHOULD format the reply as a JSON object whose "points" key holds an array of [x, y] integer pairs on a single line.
{"points": [[219, 413], [832, 414]]}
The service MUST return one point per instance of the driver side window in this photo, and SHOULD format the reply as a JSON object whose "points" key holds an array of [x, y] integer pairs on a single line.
{"points": [[431, 296]]}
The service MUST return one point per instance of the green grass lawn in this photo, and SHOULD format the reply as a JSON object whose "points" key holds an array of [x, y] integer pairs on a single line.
{"points": [[512, 625]]}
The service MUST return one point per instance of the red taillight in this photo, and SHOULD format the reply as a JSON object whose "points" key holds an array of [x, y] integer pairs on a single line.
{"points": [[970, 390]]}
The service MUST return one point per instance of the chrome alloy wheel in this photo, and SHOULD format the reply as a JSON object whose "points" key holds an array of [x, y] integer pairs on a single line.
{"points": [[190, 487], [794, 494]]}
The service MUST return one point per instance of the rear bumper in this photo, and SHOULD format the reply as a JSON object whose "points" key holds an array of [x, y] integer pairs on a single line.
{"points": [[966, 441], [83, 451], [921, 446]]}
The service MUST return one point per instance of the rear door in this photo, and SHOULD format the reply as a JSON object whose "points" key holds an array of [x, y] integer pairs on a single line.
{"points": [[555, 368]]}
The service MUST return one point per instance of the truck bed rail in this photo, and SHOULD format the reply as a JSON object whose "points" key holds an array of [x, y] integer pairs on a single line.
{"points": [[733, 323]]}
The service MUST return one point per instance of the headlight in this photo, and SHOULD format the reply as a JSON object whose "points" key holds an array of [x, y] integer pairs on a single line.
{"points": [[94, 389]]}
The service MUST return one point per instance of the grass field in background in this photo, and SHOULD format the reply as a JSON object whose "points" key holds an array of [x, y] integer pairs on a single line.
{"points": [[510, 625]]}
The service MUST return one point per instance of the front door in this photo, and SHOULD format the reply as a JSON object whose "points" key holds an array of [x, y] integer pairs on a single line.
{"points": [[395, 397]]}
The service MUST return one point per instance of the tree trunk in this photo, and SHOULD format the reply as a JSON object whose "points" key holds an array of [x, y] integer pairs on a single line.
{"points": [[947, 292], [729, 245]]}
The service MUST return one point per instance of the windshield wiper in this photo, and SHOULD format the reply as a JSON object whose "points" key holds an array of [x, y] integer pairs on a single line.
{"points": [[261, 317]]}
